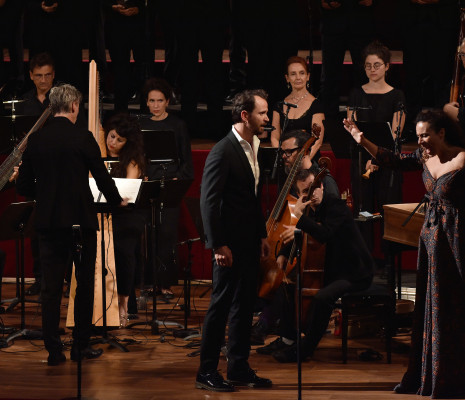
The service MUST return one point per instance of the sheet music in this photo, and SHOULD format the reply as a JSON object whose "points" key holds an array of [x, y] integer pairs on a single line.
{"points": [[127, 188]]}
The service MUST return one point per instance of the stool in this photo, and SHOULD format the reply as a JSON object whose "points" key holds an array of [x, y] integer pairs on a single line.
{"points": [[377, 298]]}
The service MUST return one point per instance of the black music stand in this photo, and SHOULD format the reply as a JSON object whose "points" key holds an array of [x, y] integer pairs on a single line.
{"points": [[157, 195], [17, 126], [104, 208], [193, 205], [16, 224]]}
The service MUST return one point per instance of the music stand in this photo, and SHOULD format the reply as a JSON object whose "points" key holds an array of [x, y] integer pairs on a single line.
{"points": [[156, 195], [104, 208], [193, 206], [16, 224], [18, 125], [266, 160]]}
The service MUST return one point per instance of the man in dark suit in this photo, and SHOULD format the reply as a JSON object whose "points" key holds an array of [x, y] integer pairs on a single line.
{"points": [[235, 231], [55, 171]]}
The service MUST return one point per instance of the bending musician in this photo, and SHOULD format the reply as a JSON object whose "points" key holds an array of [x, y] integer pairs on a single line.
{"points": [[348, 264]]}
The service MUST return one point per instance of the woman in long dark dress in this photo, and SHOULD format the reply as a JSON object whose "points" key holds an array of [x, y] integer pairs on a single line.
{"points": [[158, 94], [309, 109], [123, 139], [376, 101], [437, 360]]}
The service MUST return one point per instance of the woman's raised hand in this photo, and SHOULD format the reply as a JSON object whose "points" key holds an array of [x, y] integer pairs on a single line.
{"points": [[350, 127]]}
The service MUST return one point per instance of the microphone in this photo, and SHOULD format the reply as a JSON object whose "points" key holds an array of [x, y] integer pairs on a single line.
{"points": [[269, 128], [355, 108], [288, 104]]}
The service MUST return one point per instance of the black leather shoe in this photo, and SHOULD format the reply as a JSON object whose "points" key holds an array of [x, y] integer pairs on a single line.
{"points": [[56, 358], [275, 345], [34, 289], [248, 378], [213, 381], [87, 352]]}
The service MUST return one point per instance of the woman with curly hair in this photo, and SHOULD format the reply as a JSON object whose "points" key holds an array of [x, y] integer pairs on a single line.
{"points": [[123, 139]]}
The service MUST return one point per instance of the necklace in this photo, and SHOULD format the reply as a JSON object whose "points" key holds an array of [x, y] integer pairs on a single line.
{"points": [[297, 99]]}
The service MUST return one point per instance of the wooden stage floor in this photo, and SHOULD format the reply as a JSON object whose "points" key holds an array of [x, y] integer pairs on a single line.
{"points": [[159, 366]]}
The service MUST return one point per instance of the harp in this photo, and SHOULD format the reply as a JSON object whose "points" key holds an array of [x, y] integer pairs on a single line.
{"points": [[108, 285]]}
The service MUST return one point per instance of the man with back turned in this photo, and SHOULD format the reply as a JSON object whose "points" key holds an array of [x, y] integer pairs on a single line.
{"points": [[55, 171]]}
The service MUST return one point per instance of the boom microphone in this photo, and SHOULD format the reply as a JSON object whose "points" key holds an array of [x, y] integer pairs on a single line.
{"points": [[288, 104]]}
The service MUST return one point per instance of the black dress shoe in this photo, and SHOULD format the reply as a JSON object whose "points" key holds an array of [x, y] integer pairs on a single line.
{"points": [[213, 381], [34, 289], [87, 352], [56, 358], [248, 378], [274, 346]]}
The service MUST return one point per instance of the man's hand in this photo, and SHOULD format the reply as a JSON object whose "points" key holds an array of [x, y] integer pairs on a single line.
{"points": [[281, 262], [127, 12], [124, 202], [49, 9], [223, 256], [15, 173], [330, 5], [288, 233], [452, 110], [264, 248]]}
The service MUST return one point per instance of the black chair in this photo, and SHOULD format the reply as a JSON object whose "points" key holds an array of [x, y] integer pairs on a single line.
{"points": [[376, 299]]}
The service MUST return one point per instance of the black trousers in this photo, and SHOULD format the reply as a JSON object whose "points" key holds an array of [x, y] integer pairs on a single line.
{"points": [[56, 251], [322, 306], [233, 295]]}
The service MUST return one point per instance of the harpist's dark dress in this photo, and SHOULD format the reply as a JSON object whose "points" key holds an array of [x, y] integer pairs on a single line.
{"points": [[437, 359]]}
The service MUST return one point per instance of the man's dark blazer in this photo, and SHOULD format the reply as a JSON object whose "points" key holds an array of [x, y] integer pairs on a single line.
{"points": [[55, 172], [231, 211]]}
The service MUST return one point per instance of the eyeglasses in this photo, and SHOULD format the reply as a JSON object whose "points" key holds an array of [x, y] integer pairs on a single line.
{"points": [[43, 76], [375, 66], [289, 152]]}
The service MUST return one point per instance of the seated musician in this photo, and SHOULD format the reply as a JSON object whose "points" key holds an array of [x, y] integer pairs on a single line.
{"points": [[123, 139], [348, 264], [292, 143], [42, 74]]}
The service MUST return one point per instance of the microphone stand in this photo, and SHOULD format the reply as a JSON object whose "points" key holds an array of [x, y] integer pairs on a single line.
{"points": [[298, 243], [278, 159]]}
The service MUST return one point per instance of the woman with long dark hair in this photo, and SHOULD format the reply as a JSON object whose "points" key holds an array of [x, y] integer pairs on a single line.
{"points": [[437, 359], [124, 140]]}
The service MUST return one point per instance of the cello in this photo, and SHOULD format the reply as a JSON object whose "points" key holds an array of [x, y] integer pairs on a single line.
{"points": [[456, 89], [271, 275]]}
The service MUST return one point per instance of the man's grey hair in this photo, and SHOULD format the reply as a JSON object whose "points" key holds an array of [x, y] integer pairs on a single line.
{"points": [[62, 97]]}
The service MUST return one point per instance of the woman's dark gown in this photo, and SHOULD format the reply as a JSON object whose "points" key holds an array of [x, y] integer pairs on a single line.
{"points": [[437, 360]]}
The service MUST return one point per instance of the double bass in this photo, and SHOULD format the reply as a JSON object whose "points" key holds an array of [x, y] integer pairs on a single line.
{"points": [[271, 275], [457, 86]]}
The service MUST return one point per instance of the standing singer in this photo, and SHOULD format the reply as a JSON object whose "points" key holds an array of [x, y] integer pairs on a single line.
{"points": [[235, 230]]}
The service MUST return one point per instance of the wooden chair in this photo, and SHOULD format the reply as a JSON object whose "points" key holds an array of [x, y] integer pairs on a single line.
{"points": [[376, 299]]}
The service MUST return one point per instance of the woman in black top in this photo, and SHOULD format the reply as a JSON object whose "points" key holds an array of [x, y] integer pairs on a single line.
{"points": [[123, 139], [376, 101], [157, 94], [309, 109]]}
